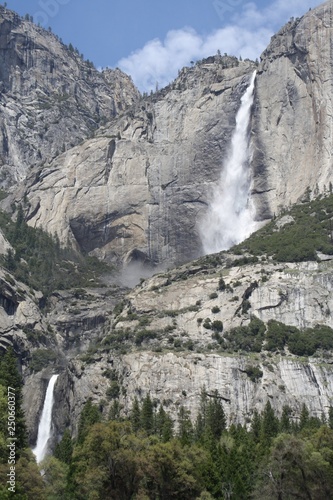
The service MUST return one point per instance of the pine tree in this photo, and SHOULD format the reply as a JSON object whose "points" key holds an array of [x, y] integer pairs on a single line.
{"points": [[163, 425], [256, 425], [167, 431], [64, 450], [270, 424], [147, 415], [135, 416], [185, 427], [285, 424], [114, 413], [89, 416], [330, 417], [304, 417], [215, 416], [11, 379]]}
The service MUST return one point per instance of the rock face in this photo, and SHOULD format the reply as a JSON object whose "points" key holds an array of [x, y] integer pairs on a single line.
{"points": [[50, 98], [134, 193], [138, 189], [178, 357], [292, 122]]}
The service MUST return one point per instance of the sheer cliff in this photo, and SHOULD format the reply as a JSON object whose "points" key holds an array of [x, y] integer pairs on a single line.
{"points": [[137, 189], [292, 122], [50, 97], [127, 178]]}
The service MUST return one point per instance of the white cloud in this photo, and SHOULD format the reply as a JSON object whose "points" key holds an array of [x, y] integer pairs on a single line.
{"points": [[159, 62], [247, 35]]}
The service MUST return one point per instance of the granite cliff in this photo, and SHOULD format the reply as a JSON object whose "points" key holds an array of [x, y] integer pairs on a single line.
{"points": [[137, 190], [126, 178], [51, 98], [292, 120]]}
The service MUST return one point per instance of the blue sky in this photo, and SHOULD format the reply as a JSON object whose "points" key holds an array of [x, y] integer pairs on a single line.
{"points": [[151, 40]]}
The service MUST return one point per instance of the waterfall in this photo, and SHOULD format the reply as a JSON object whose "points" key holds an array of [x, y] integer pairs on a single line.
{"points": [[230, 219], [45, 423]]}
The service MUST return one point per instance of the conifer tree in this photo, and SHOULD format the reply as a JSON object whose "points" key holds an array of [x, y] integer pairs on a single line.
{"points": [[330, 417], [215, 416], [11, 378], [64, 450], [256, 425], [270, 424], [304, 417], [147, 415], [90, 415], [135, 416], [285, 424], [185, 427]]}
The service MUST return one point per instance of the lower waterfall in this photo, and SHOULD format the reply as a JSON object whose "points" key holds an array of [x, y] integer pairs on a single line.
{"points": [[230, 219], [45, 423]]}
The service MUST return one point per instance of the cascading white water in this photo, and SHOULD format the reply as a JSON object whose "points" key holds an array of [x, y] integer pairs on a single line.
{"points": [[230, 219], [45, 423]]}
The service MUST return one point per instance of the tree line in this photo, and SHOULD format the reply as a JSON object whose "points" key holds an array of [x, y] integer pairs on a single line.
{"points": [[149, 455]]}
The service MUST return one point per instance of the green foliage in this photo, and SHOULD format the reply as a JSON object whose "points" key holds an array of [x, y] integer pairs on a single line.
{"points": [[40, 262], [246, 338], [147, 415], [141, 458], [113, 390], [276, 336], [217, 325], [29, 483], [300, 342], [41, 358], [89, 416], [207, 324], [144, 335], [11, 377], [297, 241], [253, 372], [222, 285], [64, 449]]}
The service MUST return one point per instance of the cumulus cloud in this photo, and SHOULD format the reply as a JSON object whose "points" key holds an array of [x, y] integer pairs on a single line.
{"points": [[157, 63], [247, 34]]}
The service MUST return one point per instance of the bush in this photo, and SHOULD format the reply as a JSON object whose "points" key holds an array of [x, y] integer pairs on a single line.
{"points": [[144, 335], [113, 391], [41, 358], [253, 372], [222, 285], [247, 338], [215, 309], [207, 324], [217, 326]]}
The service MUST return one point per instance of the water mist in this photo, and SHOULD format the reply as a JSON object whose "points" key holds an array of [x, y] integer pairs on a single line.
{"points": [[230, 219]]}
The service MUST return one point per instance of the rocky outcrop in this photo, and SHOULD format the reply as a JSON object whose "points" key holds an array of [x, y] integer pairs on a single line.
{"points": [[167, 351], [292, 122], [178, 379], [138, 189], [50, 98], [134, 193]]}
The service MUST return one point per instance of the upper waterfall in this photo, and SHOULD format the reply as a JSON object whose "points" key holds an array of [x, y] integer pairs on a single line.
{"points": [[45, 423], [230, 218]]}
